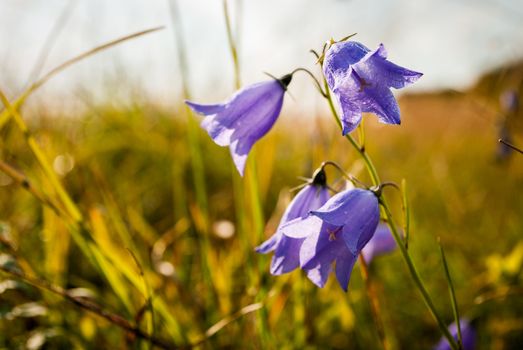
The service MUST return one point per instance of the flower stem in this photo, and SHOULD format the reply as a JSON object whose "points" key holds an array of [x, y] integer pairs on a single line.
{"points": [[314, 79], [405, 254], [452, 294], [251, 180], [232, 45], [416, 277]]}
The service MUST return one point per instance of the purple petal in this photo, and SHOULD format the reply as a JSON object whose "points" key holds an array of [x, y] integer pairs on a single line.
{"points": [[344, 91], [301, 228], [244, 119], [359, 230], [357, 94], [375, 67], [380, 101], [270, 244], [319, 251], [287, 255], [382, 242], [205, 109], [347, 204], [310, 197], [340, 56], [468, 334], [344, 264], [239, 152]]}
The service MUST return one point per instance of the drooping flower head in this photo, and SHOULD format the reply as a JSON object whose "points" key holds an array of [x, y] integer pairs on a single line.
{"points": [[286, 249], [381, 243], [246, 117], [361, 79], [468, 336], [336, 232]]}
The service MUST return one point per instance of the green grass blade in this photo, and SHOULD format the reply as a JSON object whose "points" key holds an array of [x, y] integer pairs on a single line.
{"points": [[452, 293]]}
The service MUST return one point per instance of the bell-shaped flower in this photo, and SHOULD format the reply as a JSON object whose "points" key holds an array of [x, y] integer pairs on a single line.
{"points": [[286, 249], [381, 243], [468, 336], [246, 117], [336, 232], [361, 79]]}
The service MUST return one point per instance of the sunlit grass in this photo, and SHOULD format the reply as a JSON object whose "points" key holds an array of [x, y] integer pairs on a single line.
{"points": [[124, 161]]}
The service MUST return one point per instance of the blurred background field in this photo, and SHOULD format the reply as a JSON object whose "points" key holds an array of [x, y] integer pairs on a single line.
{"points": [[125, 162]]}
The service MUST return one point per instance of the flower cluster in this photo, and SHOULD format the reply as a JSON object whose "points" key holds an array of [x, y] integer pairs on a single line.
{"points": [[360, 79], [317, 232]]}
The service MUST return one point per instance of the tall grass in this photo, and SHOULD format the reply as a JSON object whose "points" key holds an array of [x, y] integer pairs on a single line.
{"points": [[109, 235]]}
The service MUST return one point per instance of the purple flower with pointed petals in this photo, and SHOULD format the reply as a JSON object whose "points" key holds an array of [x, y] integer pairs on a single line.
{"points": [[468, 336], [286, 249], [381, 243], [361, 79], [245, 118], [336, 232]]}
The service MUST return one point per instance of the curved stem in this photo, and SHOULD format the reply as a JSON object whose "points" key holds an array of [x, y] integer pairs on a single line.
{"points": [[317, 83], [405, 254], [368, 163], [349, 177]]}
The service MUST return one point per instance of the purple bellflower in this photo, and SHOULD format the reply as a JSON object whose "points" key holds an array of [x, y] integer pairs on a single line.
{"points": [[245, 118], [468, 336], [337, 231], [361, 79], [286, 249], [381, 243]]}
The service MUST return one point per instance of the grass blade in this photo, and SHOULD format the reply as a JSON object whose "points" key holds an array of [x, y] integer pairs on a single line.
{"points": [[5, 115], [406, 212], [452, 294]]}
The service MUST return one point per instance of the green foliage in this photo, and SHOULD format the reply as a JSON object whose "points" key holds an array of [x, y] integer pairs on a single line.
{"points": [[127, 170]]}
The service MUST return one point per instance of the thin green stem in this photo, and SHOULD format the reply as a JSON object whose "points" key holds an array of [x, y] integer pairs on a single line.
{"points": [[406, 212], [416, 277], [405, 254], [196, 155], [251, 176], [232, 45], [452, 293], [314, 79]]}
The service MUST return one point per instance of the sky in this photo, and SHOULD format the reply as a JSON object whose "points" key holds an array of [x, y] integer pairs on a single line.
{"points": [[451, 41]]}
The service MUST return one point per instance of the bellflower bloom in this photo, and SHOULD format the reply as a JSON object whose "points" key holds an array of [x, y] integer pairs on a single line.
{"points": [[468, 335], [361, 79], [381, 243], [337, 231], [286, 249], [246, 117]]}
